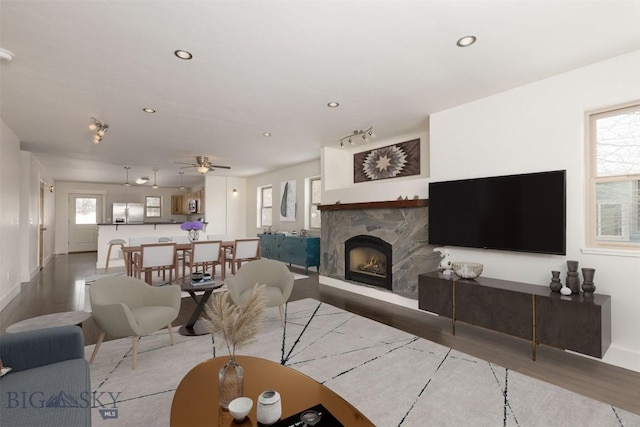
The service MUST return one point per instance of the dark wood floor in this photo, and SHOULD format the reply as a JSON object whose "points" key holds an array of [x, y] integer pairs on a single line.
{"points": [[60, 287]]}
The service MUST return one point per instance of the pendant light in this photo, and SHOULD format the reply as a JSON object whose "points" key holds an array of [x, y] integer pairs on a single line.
{"points": [[155, 171], [126, 183], [181, 184]]}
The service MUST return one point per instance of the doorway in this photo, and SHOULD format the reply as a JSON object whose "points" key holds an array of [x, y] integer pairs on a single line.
{"points": [[85, 213]]}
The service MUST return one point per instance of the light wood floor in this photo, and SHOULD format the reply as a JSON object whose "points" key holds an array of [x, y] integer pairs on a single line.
{"points": [[60, 287]]}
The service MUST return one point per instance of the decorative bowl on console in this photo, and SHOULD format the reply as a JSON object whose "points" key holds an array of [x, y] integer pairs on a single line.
{"points": [[467, 270]]}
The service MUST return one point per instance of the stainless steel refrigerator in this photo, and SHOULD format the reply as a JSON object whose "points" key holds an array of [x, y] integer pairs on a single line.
{"points": [[128, 213]]}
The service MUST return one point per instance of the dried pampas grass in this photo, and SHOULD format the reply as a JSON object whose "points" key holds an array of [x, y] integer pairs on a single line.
{"points": [[237, 325]]}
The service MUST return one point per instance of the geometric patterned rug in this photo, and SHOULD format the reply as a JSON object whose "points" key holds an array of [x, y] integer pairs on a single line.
{"points": [[392, 377]]}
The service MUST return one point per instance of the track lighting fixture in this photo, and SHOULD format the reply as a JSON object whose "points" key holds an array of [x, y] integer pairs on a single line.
{"points": [[100, 129], [364, 134]]}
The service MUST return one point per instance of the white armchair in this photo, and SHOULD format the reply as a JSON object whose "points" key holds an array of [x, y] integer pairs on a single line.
{"points": [[124, 306], [274, 274]]}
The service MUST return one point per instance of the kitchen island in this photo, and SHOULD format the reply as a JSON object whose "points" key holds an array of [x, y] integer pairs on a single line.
{"points": [[107, 232]]}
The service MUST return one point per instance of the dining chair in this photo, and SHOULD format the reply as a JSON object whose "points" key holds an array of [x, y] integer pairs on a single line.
{"points": [[244, 250], [156, 257], [137, 241], [205, 254]]}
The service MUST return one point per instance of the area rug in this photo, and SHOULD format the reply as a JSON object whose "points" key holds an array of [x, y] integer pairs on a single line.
{"points": [[392, 377]]}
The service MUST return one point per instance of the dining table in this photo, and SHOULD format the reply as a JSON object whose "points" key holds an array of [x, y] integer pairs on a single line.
{"points": [[130, 251]]}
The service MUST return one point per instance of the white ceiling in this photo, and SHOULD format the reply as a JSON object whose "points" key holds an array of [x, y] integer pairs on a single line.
{"points": [[269, 66]]}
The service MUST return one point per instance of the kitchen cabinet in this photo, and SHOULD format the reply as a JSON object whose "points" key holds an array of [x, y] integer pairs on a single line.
{"points": [[180, 203], [177, 202]]}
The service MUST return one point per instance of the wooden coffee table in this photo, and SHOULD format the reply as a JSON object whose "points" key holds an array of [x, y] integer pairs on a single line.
{"points": [[50, 321], [195, 402]]}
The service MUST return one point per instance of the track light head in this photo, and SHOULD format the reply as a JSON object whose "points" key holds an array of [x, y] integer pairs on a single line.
{"points": [[100, 128], [364, 134]]}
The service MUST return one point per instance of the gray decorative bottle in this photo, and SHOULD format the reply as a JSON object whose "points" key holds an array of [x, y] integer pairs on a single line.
{"points": [[587, 286], [573, 281], [555, 284]]}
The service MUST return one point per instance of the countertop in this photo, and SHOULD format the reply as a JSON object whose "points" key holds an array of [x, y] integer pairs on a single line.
{"points": [[143, 223]]}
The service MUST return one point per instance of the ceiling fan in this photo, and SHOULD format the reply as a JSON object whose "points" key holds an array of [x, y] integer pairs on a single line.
{"points": [[202, 165]]}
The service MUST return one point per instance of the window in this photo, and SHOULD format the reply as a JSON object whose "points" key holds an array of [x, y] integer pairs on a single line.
{"points": [[265, 197], [614, 178], [315, 191], [153, 207], [86, 212]]}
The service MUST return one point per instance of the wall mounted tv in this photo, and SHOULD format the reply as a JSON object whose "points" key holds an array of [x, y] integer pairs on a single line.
{"points": [[525, 213]]}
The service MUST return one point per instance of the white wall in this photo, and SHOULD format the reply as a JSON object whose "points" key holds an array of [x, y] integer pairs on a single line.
{"points": [[226, 212], [9, 215], [337, 174], [541, 127], [111, 193], [297, 173]]}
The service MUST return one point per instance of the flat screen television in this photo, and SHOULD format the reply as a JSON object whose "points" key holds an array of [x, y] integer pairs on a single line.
{"points": [[525, 213]]}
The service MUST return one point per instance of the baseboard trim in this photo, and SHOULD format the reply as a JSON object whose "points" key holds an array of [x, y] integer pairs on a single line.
{"points": [[367, 291], [6, 299]]}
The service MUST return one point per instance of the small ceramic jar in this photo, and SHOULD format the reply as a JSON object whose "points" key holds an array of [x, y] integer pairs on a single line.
{"points": [[269, 407]]}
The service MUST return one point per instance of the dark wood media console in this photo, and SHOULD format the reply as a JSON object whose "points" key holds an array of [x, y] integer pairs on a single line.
{"points": [[532, 312]]}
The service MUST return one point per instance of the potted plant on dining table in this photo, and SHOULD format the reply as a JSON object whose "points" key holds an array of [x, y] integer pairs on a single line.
{"points": [[193, 228]]}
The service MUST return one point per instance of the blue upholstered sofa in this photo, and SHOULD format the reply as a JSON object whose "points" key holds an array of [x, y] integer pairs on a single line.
{"points": [[49, 384]]}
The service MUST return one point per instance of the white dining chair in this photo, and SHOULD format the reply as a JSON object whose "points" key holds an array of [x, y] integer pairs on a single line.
{"points": [[244, 250], [137, 241], [156, 257], [204, 254], [180, 239]]}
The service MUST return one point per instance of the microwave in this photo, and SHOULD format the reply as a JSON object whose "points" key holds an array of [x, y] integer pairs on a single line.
{"points": [[193, 206]]}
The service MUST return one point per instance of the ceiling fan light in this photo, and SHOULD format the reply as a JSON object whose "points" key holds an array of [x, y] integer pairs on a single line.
{"points": [[101, 132], [97, 139], [93, 126], [202, 169]]}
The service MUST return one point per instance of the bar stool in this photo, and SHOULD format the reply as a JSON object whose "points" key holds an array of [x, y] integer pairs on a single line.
{"points": [[112, 243]]}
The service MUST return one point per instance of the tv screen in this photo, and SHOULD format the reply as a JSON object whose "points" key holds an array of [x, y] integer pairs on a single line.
{"points": [[525, 213]]}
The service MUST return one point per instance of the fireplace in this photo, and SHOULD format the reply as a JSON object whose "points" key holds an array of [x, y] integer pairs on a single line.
{"points": [[368, 260]]}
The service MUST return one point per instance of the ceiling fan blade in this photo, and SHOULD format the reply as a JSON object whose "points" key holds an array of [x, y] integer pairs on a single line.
{"points": [[219, 167], [190, 166], [183, 163]]}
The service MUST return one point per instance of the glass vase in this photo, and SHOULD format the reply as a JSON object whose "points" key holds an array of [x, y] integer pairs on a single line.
{"points": [[230, 383], [193, 235]]}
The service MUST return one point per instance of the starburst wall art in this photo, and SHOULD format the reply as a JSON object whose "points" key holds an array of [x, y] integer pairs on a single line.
{"points": [[392, 161]]}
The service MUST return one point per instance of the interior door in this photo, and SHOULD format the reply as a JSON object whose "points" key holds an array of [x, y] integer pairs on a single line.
{"points": [[85, 212]]}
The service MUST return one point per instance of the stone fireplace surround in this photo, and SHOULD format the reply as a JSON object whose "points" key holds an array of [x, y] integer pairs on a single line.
{"points": [[402, 223]]}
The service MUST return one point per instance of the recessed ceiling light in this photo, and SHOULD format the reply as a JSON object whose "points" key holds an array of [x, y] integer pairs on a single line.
{"points": [[149, 110], [466, 41], [183, 54], [266, 134], [333, 104]]}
